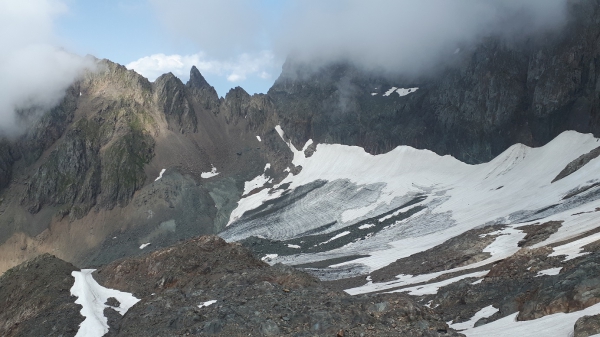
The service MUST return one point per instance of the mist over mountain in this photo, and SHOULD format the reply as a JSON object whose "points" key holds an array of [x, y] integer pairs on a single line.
{"points": [[35, 73], [400, 37]]}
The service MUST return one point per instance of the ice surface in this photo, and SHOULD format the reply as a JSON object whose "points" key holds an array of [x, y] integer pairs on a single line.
{"points": [[213, 172], [92, 296], [160, 174], [509, 190]]}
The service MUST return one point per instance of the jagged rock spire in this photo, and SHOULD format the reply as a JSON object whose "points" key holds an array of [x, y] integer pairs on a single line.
{"points": [[196, 79]]}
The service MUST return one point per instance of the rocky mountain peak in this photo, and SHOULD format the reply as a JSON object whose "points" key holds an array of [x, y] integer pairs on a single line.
{"points": [[197, 80]]}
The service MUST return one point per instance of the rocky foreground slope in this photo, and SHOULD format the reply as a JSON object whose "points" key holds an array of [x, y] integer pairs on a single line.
{"points": [[205, 286]]}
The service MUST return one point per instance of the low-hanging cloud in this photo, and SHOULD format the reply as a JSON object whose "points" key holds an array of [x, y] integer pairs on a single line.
{"points": [[401, 36], [406, 36], [35, 73]]}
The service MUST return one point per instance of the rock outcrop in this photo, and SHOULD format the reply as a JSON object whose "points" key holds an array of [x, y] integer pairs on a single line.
{"points": [[490, 97], [36, 300], [207, 286]]}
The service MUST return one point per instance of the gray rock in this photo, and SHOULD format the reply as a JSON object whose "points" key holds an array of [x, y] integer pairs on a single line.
{"points": [[587, 326], [269, 328]]}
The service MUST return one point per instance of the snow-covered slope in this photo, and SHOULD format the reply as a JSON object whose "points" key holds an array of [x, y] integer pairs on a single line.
{"points": [[342, 186], [348, 213]]}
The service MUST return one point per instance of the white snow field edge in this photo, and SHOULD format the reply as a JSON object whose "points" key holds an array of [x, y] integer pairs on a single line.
{"points": [[92, 296]]}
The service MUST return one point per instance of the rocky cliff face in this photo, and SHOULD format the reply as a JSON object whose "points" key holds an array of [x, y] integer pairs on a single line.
{"points": [[36, 301], [490, 96], [98, 153]]}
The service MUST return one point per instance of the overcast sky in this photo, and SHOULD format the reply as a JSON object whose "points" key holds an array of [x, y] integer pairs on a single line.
{"points": [[240, 42], [244, 42]]}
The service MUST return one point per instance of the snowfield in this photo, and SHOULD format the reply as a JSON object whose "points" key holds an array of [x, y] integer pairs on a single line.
{"points": [[381, 208], [458, 197], [92, 297]]}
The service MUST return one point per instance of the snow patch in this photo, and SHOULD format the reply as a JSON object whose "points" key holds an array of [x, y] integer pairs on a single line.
{"points": [[293, 246], [405, 91], [559, 324], [160, 174], [144, 245], [574, 249], [92, 296], [389, 92], [432, 288], [269, 257], [258, 137], [335, 237], [550, 272], [255, 183], [365, 226], [207, 303], [213, 172], [483, 313]]}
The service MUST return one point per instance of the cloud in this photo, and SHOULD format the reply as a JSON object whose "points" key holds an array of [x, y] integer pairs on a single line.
{"points": [[235, 70], [405, 35], [35, 73], [402, 36], [223, 28]]}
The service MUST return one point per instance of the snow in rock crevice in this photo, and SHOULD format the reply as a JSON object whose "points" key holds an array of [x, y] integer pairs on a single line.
{"points": [[160, 174]]}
